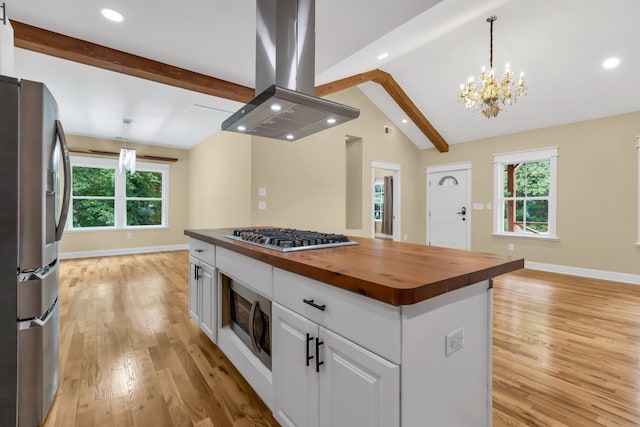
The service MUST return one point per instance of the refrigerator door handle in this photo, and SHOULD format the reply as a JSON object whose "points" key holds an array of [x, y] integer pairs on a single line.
{"points": [[40, 321], [40, 274], [67, 181]]}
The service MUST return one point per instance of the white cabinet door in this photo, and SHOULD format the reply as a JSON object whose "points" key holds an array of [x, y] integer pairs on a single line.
{"points": [[356, 387], [295, 381], [207, 276], [194, 290]]}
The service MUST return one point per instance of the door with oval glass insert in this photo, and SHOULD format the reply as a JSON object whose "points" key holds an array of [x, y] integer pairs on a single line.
{"points": [[448, 209]]}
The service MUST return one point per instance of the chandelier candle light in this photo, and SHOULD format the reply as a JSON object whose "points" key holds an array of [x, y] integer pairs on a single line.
{"points": [[489, 93], [127, 159]]}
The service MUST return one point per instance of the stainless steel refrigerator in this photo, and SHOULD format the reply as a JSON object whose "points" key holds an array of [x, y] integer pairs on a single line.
{"points": [[35, 189]]}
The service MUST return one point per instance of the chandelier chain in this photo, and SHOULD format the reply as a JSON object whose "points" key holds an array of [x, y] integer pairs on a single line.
{"points": [[491, 19]]}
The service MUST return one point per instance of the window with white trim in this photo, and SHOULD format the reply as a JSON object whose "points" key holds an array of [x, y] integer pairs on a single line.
{"points": [[525, 193], [104, 199]]}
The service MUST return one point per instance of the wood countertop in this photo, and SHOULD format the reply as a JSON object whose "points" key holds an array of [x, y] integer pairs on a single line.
{"points": [[392, 272]]}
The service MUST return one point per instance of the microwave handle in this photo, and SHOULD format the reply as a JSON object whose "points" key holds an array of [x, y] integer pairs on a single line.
{"points": [[255, 307]]}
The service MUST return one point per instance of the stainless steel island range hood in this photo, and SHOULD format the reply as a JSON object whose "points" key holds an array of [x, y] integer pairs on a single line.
{"points": [[285, 106]]}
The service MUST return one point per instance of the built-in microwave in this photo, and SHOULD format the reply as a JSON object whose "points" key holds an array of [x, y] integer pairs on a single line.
{"points": [[249, 317]]}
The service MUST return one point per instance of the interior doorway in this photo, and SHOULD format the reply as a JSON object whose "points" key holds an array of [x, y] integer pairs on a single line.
{"points": [[385, 200]]}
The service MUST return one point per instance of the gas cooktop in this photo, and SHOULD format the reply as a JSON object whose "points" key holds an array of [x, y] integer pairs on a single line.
{"points": [[288, 239]]}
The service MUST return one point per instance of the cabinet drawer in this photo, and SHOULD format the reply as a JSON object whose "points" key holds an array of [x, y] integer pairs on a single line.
{"points": [[203, 251], [367, 322], [255, 274]]}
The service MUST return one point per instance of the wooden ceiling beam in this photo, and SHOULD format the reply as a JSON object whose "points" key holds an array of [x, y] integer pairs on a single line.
{"points": [[396, 92], [65, 47], [55, 44]]}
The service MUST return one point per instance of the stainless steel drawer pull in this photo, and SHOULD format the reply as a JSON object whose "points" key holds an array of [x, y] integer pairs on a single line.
{"points": [[199, 250], [313, 304]]}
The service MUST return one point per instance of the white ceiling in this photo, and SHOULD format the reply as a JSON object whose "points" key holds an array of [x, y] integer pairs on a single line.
{"points": [[433, 47]]}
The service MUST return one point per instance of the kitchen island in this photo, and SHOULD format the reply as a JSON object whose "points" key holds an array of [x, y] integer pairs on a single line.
{"points": [[380, 333]]}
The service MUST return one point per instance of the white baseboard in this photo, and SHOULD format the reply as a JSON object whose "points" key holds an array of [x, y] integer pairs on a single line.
{"points": [[585, 272], [122, 251]]}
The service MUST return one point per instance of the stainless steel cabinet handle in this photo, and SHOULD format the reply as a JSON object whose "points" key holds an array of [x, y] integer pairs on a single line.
{"points": [[199, 250]]}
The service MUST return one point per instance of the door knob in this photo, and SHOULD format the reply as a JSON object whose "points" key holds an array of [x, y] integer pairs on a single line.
{"points": [[463, 211]]}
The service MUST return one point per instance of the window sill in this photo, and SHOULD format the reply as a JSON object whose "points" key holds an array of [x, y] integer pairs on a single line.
{"points": [[527, 236], [101, 229]]}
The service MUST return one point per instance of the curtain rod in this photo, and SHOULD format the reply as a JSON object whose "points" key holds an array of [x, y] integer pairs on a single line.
{"points": [[113, 154]]}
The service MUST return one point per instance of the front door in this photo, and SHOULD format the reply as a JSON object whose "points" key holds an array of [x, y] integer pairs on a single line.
{"points": [[448, 209]]}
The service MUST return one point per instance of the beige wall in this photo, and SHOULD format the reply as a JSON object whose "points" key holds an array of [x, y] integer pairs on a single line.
{"points": [[80, 241], [353, 187], [220, 182], [597, 220], [305, 180]]}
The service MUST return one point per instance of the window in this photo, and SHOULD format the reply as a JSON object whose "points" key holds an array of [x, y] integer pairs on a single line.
{"points": [[378, 203], [103, 198], [525, 193]]}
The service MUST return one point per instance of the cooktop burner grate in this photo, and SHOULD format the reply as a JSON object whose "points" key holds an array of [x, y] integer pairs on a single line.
{"points": [[288, 239]]}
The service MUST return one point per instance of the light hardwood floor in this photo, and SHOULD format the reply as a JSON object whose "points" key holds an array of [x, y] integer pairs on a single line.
{"points": [[130, 355], [566, 351]]}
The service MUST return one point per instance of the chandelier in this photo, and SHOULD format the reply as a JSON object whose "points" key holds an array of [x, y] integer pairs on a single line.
{"points": [[490, 93], [127, 159]]}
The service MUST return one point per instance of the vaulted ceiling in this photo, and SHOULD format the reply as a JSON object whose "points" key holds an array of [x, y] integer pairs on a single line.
{"points": [[432, 47]]}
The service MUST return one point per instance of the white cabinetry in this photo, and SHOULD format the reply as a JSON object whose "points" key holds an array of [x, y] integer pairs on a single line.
{"points": [[336, 355], [202, 287], [323, 379], [295, 379]]}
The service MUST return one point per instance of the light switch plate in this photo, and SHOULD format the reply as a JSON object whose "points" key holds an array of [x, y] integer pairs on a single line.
{"points": [[478, 206]]}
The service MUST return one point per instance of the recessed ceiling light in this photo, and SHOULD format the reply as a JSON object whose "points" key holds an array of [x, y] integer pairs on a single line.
{"points": [[382, 56], [405, 121], [112, 15], [611, 63], [241, 128], [331, 120], [289, 136], [276, 107]]}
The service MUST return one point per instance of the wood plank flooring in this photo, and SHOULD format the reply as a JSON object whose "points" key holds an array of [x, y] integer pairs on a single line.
{"points": [[130, 355], [566, 351]]}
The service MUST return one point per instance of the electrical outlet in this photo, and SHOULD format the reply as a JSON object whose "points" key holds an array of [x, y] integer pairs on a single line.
{"points": [[511, 246], [129, 236], [262, 205], [454, 341], [262, 191]]}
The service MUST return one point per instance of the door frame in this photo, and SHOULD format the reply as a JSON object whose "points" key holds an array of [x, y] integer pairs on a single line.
{"points": [[450, 167], [396, 168]]}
